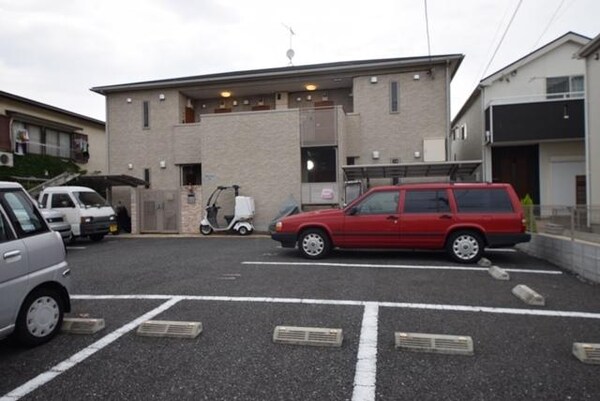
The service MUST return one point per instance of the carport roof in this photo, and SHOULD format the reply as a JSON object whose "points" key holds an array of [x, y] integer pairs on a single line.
{"points": [[401, 170], [107, 181]]}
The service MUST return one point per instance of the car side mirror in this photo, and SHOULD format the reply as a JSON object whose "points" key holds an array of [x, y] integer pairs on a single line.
{"points": [[353, 210]]}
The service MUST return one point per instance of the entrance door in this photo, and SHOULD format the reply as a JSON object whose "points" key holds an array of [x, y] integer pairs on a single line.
{"points": [[518, 166], [159, 211]]}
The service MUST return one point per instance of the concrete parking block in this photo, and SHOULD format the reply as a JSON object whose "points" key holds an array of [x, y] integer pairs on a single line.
{"points": [[82, 326], [484, 262], [434, 343], [498, 273], [164, 328], [587, 353], [529, 296], [317, 336]]}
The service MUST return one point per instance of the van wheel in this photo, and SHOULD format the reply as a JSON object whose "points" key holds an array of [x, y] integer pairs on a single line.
{"points": [[96, 237], [465, 246], [314, 244], [40, 317], [206, 230]]}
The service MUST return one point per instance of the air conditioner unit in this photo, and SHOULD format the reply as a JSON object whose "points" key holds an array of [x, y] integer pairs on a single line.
{"points": [[6, 159]]}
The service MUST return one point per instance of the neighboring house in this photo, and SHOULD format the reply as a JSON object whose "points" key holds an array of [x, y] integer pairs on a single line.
{"points": [[297, 131], [591, 55], [48, 130], [526, 123]]}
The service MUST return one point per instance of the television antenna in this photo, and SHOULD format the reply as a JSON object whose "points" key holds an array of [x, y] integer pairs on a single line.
{"points": [[290, 53]]}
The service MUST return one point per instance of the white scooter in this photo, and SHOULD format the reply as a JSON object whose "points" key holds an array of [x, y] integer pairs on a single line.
{"points": [[239, 219]]}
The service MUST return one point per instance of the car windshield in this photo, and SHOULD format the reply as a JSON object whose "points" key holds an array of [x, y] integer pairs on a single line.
{"points": [[89, 199]]}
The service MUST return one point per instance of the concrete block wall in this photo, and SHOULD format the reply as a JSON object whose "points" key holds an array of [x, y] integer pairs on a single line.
{"points": [[579, 257]]}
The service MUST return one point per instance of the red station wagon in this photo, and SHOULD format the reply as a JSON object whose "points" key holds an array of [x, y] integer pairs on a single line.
{"points": [[462, 218]]}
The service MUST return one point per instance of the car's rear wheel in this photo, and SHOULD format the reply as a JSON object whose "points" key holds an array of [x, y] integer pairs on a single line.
{"points": [[465, 246], [40, 317], [314, 244]]}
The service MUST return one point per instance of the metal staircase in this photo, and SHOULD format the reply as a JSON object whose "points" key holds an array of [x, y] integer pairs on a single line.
{"points": [[53, 182]]}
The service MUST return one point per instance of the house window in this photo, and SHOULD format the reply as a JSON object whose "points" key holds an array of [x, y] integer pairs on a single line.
{"points": [[463, 132], [393, 97], [147, 177], [191, 174], [319, 164], [146, 114], [564, 87]]}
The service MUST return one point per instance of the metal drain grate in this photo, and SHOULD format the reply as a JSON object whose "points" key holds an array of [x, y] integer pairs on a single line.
{"points": [[498, 273], [308, 336], [528, 295], [165, 328], [82, 326], [437, 343], [587, 353]]}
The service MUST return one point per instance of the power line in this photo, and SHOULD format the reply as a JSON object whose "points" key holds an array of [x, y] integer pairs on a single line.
{"points": [[549, 23], [502, 38]]}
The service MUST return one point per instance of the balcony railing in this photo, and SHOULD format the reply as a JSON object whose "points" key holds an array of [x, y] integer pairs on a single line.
{"points": [[318, 126], [552, 119]]}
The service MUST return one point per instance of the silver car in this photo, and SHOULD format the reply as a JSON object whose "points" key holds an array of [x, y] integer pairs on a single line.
{"points": [[56, 221], [34, 275]]}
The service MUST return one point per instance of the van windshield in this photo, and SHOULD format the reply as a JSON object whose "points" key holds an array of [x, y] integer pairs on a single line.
{"points": [[89, 199]]}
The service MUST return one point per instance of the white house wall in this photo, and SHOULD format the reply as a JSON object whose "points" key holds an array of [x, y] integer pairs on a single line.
{"points": [[530, 79], [593, 126], [469, 148], [559, 155]]}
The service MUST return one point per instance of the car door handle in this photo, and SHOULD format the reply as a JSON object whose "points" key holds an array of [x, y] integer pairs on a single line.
{"points": [[395, 218], [12, 254], [445, 216]]}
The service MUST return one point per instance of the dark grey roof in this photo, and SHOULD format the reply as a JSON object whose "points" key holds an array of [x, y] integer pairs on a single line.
{"points": [[290, 71]]}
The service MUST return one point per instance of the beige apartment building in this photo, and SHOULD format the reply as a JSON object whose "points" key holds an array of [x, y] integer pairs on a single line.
{"points": [[294, 132]]}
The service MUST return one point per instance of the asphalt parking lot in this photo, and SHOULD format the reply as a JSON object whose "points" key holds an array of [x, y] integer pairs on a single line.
{"points": [[241, 288]]}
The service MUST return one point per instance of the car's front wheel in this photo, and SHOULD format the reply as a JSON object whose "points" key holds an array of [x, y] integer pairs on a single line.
{"points": [[40, 317], [465, 246], [314, 244]]}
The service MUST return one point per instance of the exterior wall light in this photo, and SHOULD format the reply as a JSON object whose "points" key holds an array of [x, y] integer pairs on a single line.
{"points": [[310, 87], [225, 94], [161, 97]]}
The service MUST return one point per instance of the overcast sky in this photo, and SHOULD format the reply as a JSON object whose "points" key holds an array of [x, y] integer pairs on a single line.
{"points": [[54, 51]]}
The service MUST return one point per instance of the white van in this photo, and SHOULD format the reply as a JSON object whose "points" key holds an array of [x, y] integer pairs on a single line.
{"points": [[34, 275], [88, 213]]}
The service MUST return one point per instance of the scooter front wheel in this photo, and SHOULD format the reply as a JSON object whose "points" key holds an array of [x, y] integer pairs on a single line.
{"points": [[206, 230]]}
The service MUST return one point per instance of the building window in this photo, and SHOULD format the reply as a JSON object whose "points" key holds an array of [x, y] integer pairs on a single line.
{"points": [[319, 164], [564, 87], [146, 114], [147, 177], [393, 97], [191, 174]]}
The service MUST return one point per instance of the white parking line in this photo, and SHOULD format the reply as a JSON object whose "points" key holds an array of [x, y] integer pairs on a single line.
{"points": [[415, 267], [509, 250], [79, 248], [308, 301], [85, 353], [366, 366]]}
